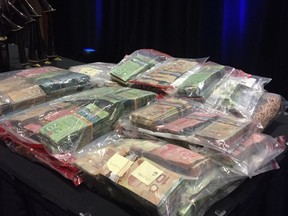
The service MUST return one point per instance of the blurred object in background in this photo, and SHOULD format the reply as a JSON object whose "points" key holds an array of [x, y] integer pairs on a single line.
{"points": [[29, 24]]}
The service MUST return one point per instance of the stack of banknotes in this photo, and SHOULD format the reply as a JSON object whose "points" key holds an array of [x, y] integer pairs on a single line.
{"points": [[24, 88], [68, 123], [160, 176], [136, 63]]}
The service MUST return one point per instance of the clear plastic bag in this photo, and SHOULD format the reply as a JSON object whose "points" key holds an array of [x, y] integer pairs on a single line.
{"points": [[73, 121], [238, 93], [99, 73], [268, 107], [37, 152], [152, 175], [200, 82], [251, 157], [164, 74], [190, 122], [24, 88], [135, 63]]}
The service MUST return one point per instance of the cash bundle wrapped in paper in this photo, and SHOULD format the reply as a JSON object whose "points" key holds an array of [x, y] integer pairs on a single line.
{"points": [[154, 186], [135, 63], [73, 121]]}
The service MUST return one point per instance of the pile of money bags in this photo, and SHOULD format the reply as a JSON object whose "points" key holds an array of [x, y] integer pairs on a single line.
{"points": [[163, 135]]}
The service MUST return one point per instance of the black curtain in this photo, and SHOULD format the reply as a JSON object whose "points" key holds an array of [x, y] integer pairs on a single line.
{"points": [[250, 35]]}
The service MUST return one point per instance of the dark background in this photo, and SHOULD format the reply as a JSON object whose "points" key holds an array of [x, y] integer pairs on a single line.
{"points": [[251, 35]]}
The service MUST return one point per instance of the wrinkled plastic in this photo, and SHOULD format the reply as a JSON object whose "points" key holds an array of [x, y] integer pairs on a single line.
{"points": [[190, 122], [238, 93], [183, 77], [252, 156], [135, 63], [23, 88], [99, 73], [268, 107], [164, 74], [153, 176], [36, 152], [71, 122]]}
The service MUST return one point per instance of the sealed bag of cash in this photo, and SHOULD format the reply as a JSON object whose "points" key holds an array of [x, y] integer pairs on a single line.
{"points": [[24, 88], [254, 155], [190, 122], [137, 62], [68, 123], [16, 92], [152, 176], [183, 77], [243, 95], [99, 73], [238, 93]]}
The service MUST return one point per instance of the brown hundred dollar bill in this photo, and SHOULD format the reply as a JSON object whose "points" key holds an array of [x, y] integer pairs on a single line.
{"points": [[154, 183]]}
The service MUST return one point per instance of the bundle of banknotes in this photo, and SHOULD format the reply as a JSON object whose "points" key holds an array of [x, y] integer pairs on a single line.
{"points": [[152, 174], [24, 88], [159, 112], [99, 73], [135, 63], [201, 83], [251, 155], [163, 75], [71, 122], [182, 77], [180, 119]]}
